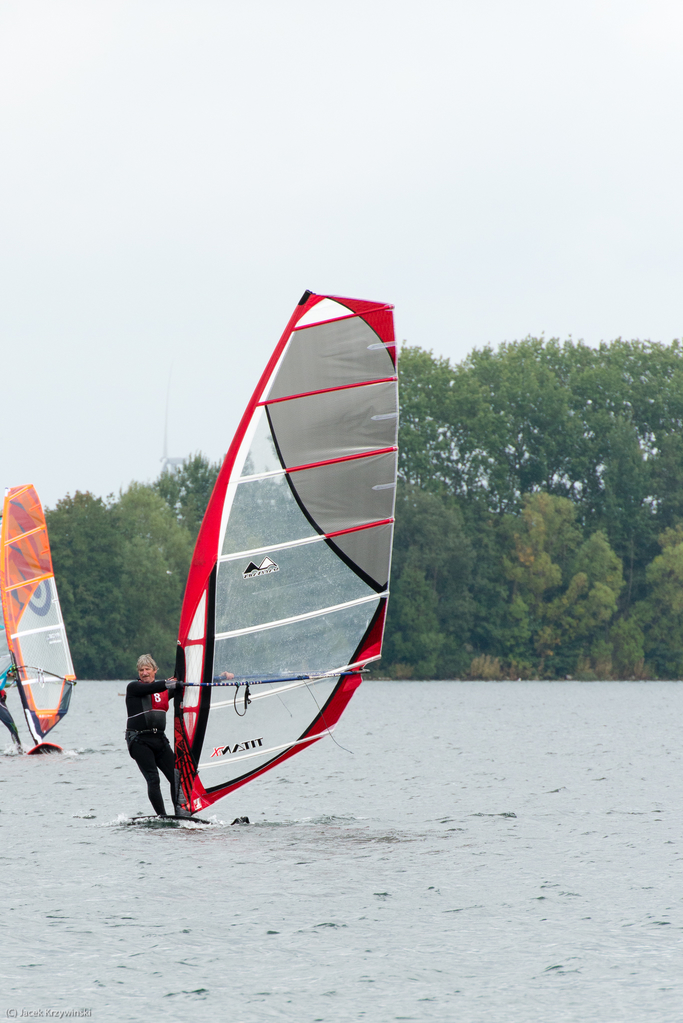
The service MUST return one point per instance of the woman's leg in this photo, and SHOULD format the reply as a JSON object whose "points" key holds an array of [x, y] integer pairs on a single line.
{"points": [[146, 761], [165, 759]]}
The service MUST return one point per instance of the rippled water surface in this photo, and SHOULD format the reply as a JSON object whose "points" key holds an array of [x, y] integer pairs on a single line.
{"points": [[488, 852]]}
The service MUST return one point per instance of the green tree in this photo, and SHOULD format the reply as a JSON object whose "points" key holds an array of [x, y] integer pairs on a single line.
{"points": [[584, 612], [661, 613], [156, 553], [87, 554], [564, 591], [599, 426], [187, 489], [120, 568], [431, 607]]}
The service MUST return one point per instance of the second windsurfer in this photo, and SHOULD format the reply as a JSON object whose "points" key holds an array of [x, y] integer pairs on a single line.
{"points": [[146, 704]]}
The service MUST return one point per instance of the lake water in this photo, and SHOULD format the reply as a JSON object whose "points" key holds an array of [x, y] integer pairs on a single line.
{"points": [[480, 852]]}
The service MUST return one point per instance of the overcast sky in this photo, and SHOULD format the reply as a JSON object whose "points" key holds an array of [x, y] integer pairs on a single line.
{"points": [[175, 173]]}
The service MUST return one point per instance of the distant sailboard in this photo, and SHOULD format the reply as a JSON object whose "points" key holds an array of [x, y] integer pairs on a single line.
{"points": [[288, 585], [37, 647]]}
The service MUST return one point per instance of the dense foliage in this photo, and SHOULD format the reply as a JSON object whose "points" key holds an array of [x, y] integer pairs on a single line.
{"points": [[561, 469], [121, 566], [539, 524]]}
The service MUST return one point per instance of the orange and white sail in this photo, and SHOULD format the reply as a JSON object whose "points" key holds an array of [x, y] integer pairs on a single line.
{"points": [[35, 632]]}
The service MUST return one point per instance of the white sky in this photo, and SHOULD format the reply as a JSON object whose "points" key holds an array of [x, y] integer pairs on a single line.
{"points": [[175, 173]]}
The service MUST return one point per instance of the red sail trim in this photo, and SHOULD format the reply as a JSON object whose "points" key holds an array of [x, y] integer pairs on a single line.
{"points": [[372, 644], [342, 458], [322, 536], [355, 529], [360, 306], [206, 548], [336, 319], [325, 390], [378, 317], [185, 766]]}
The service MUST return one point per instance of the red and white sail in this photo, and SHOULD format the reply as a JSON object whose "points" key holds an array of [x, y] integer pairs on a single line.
{"points": [[289, 579]]}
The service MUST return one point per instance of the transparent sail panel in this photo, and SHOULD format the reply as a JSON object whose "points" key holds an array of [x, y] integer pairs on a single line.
{"points": [[292, 582], [42, 609], [331, 355], [264, 512], [328, 309], [194, 662], [348, 494], [48, 701], [262, 456], [46, 650], [314, 644], [370, 550], [274, 721], [336, 424]]}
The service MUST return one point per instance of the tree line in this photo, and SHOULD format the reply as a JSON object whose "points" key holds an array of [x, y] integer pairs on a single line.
{"points": [[540, 519], [121, 564], [539, 524]]}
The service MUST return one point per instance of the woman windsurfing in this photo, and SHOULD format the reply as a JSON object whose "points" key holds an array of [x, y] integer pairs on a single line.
{"points": [[146, 704]]}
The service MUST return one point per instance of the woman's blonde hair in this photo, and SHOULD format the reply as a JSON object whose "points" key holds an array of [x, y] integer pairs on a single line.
{"points": [[147, 661]]}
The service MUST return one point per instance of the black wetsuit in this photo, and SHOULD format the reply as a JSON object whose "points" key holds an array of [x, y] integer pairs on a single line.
{"points": [[146, 738], [8, 720]]}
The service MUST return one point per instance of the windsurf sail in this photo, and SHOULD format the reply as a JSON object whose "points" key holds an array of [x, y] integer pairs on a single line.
{"points": [[288, 585], [34, 628], [5, 655]]}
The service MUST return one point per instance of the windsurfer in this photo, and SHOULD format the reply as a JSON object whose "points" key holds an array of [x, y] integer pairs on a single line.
{"points": [[146, 704], [7, 718]]}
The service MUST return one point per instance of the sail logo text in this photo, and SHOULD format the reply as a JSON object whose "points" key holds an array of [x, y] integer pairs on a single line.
{"points": [[265, 568], [239, 747]]}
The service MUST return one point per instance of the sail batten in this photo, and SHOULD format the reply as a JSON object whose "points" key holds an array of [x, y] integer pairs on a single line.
{"points": [[293, 556], [29, 581], [327, 390], [43, 628], [316, 465], [299, 618], [306, 540]]}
